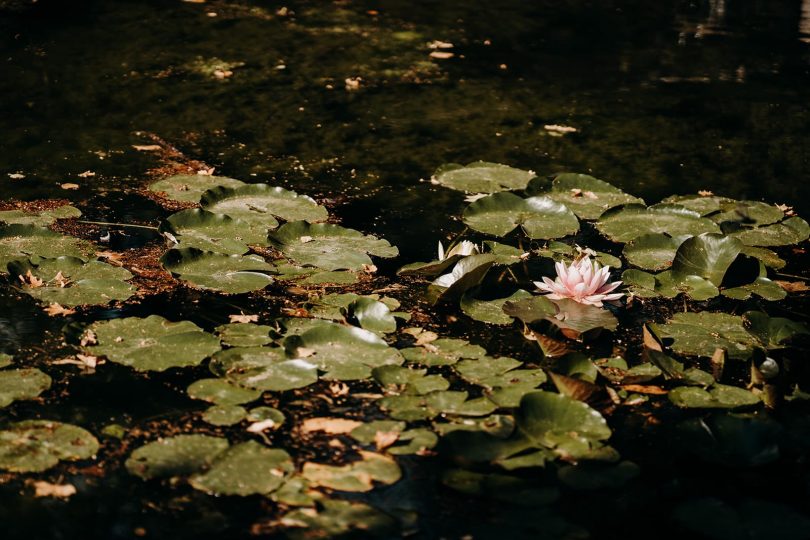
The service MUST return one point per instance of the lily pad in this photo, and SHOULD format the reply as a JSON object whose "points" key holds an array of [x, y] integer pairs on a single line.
{"points": [[341, 352], [444, 402], [41, 218], [153, 343], [260, 204], [24, 383], [248, 468], [539, 217], [466, 274], [233, 274], [703, 205], [372, 315], [700, 334], [790, 231], [708, 256], [626, 223], [358, 476], [327, 246], [6, 360], [748, 213], [224, 415], [652, 251], [221, 392], [69, 281], [443, 352], [491, 311], [773, 332], [30, 241], [719, 396], [482, 177], [335, 518], [244, 334], [175, 456], [208, 231], [586, 196], [548, 419], [264, 368], [38, 445], [530, 310], [190, 187]]}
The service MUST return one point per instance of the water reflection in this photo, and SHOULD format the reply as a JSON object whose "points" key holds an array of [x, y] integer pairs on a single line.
{"points": [[804, 22]]}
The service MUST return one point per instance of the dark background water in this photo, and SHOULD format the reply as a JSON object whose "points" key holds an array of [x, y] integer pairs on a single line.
{"points": [[667, 97]]}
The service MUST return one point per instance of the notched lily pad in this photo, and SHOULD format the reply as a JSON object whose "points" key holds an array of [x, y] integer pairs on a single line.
{"points": [[626, 223], [190, 187], [175, 456], [586, 196], [38, 445], [481, 177], [19, 242], [261, 204], [248, 468], [788, 232], [153, 343], [539, 217], [208, 231], [24, 383], [233, 274]]}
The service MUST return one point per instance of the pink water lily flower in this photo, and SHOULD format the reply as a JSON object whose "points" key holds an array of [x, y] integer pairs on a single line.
{"points": [[583, 281]]}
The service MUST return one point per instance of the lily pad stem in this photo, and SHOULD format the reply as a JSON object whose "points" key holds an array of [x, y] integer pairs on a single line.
{"points": [[132, 225]]}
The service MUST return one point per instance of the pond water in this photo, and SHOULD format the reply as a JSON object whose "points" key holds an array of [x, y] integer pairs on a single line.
{"points": [[356, 104]]}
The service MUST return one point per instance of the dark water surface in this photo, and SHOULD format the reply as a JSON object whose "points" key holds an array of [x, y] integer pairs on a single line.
{"points": [[666, 97]]}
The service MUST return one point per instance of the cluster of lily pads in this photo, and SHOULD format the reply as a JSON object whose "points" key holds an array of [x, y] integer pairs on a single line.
{"points": [[495, 418]]}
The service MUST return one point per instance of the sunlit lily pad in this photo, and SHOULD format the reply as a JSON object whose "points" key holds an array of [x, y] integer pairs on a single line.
{"points": [[175, 456], [264, 368], [790, 231], [490, 311], [248, 468], [190, 187], [342, 352], [24, 383], [586, 196], [69, 281], [153, 343], [38, 445], [482, 177], [207, 231], [750, 519], [505, 385], [260, 204], [244, 334], [539, 217], [654, 251], [529, 310], [231, 274], [221, 392], [358, 476], [549, 419], [372, 315], [41, 218], [719, 396], [327, 246], [626, 223], [30, 241], [224, 415], [443, 352], [700, 334], [450, 402], [466, 274]]}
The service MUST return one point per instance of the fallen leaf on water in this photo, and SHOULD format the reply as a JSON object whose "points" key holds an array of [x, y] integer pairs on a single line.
{"points": [[334, 426], [352, 83], [474, 197], [642, 389], [558, 128], [242, 318], [61, 280], [86, 174], [88, 360], [793, 286], [305, 239], [338, 389], [258, 427], [110, 256], [148, 147], [30, 280], [68, 185], [88, 338], [440, 45], [58, 310], [369, 268], [16, 176], [441, 55], [46, 489], [705, 193]]}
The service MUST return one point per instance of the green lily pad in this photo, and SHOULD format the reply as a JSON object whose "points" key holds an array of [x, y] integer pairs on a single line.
{"points": [[429, 269], [69, 281], [626, 223], [548, 419], [505, 385], [443, 352], [233, 274], [654, 251], [466, 274], [335, 518], [407, 380], [207, 231], [342, 352], [700, 334], [748, 213], [153, 343], [696, 287], [497, 425], [412, 407], [248, 468], [367, 432], [358, 476], [327, 246], [481, 177], [539, 217], [175, 456], [577, 321], [38, 445], [530, 310], [703, 205], [789, 232], [264, 368], [244, 334], [30, 241], [719, 396], [751, 519], [708, 256], [491, 311], [263, 414], [24, 383], [762, 287], [773, 332], [372, 315], [42, 218], [765, 256], [221, 392], [260, 204], [224, 415], [190, 187], [586, 196]]}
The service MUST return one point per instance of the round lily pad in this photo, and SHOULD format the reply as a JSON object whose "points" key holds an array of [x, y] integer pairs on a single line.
{"points": [[327, 246], [443, 352], [221, 392], [700, 334], [41, 218], [233, 274], [224, 415], [175, 456], [38, 445], [654, 251], [190, 187], [719, 396], [491, 311], [372, 315], [539, 217], [24, 383], [29, 241], [341, 352], [544, 417], [748, 213], [586, 196], [708, 256], [264, 368], [153, 343], [69, 281], [208, 231], [626, 223], [248, 468], [481, 177], [244, 334], [261, 204]]}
